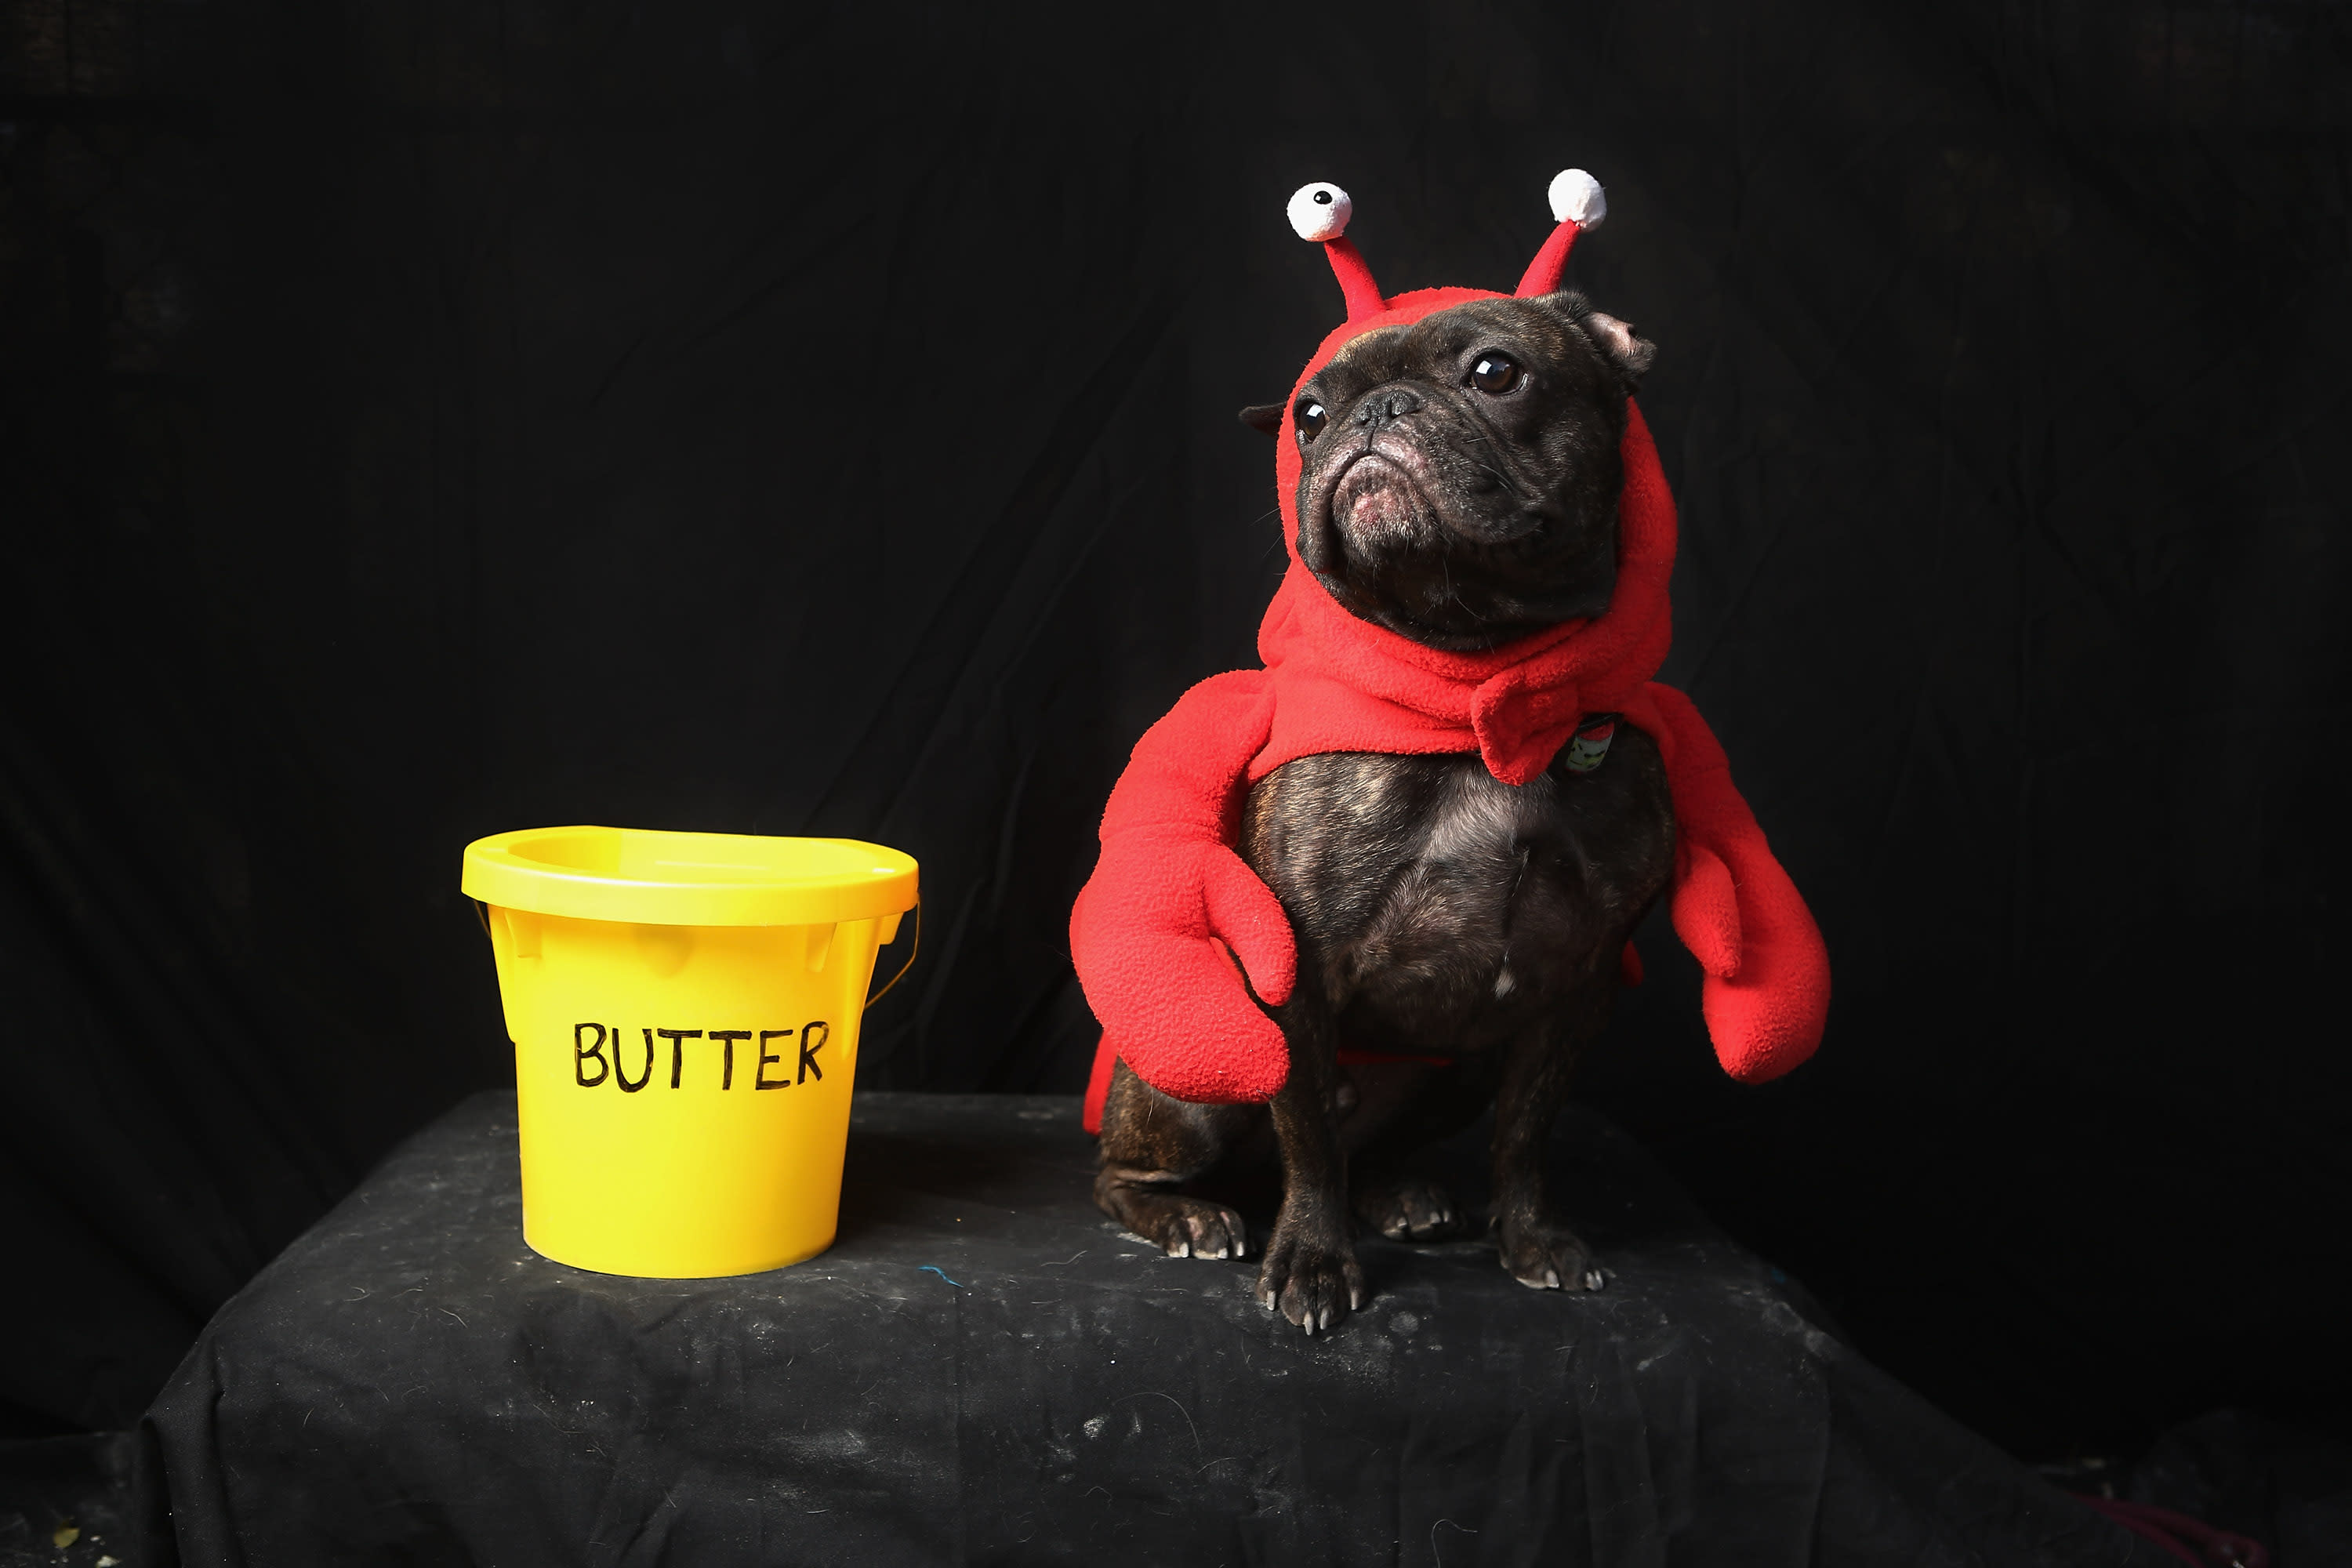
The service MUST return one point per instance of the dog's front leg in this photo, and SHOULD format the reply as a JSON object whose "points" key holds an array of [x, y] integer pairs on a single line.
{"points": [[1310, 1275], [1538, 1248]]}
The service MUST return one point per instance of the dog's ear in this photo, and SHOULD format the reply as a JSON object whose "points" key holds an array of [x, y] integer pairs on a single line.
{"points": [[1622, 344], [1266, 418]]}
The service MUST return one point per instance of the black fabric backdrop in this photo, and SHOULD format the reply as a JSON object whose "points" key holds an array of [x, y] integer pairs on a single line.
{"points": [[422, 421]]}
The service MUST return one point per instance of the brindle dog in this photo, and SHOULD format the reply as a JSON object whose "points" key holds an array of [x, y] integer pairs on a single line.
{"points": [[1460, 487]]}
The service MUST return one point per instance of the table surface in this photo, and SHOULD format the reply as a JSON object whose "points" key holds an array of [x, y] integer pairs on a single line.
{"points": [[985, 1369]]}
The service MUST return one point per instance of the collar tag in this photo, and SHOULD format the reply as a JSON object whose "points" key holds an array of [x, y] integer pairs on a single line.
{"points": [[1590, 746]]}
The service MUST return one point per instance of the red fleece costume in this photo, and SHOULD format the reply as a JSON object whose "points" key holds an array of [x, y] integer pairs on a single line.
{"points": [[1169, 898]]}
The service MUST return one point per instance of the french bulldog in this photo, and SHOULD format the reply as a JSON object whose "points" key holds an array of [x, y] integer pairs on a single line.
{"points": [[1459, 487]]}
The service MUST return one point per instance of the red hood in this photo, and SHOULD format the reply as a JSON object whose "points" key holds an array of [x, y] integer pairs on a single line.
{"points": [[1525, 695]]}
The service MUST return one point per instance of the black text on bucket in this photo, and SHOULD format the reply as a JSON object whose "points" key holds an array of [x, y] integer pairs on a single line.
{"points": [[589, 1042]]}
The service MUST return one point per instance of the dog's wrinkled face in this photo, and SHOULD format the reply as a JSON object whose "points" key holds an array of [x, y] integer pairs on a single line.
{"points": [[1460, 476]]}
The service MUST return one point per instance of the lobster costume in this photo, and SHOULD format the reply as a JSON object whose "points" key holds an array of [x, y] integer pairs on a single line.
{"points": [[1171, 908]]}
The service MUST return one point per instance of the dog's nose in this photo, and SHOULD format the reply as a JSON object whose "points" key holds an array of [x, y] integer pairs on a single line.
{"points": [[1384, 406]]}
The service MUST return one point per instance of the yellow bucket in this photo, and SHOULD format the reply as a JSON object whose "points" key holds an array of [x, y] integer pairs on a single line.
{"points": [[684, 1008]]}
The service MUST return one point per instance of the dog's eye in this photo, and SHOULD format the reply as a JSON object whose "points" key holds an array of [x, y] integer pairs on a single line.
{"points": [[1494, 373], [1310, 419]]}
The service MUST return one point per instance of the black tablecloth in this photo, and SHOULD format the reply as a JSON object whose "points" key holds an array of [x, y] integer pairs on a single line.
{"points": [[985, 1369]]}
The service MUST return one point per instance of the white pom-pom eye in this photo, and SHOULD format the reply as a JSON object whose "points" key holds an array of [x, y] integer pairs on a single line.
{"points": [[1320, 211], [1577, 195]]}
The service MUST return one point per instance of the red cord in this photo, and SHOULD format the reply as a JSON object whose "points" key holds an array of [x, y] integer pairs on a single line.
{"points": [[2190, 1540]]}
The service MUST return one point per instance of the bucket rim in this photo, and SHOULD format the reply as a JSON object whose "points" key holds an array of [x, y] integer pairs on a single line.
{"points": [[643, 876]]}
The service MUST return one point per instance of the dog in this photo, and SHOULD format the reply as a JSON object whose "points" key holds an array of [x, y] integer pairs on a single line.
{"points": [[1459, 487]]}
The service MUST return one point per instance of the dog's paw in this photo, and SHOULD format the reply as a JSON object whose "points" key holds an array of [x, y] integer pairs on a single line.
{"points": [[1548, 1258], [1312, 1283], [1188, 1227], [1408, 1208]]}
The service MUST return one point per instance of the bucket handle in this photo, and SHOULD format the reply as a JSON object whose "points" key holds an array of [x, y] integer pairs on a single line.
{"points": [[914, 947], [482, 913]]}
